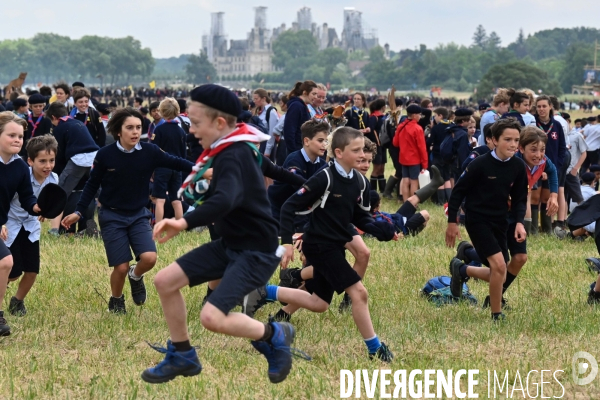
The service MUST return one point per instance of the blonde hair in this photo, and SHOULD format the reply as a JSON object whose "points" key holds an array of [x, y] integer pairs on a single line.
{"points": [[320, 86], [502, 96], [169, 108], [6, 117]]}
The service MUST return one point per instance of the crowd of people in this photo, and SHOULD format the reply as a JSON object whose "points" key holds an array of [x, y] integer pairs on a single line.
{"points": [[277, 176]]}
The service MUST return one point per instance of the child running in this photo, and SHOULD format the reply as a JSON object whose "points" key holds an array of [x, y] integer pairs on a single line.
{"points": [[245, 256], [486, 185]]}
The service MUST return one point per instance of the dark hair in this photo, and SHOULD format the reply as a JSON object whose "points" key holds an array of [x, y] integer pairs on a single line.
{"points": [[311, 127], [578, 120], [503, 124], [262, 93], [425, 103], [284, 98], [13, 96], [154, 105], [80, 93], [115, 124], [41, 143], [547, 98], [376, 105], [462, 119], [245, 103], [56, 110], [343, 136], [64, 87], [487, 131], [518, 98], [532, 134], [566, 116], [555, 103], [370, 147], [443, 111], [46, 91], [301, 87], [139, 100]]}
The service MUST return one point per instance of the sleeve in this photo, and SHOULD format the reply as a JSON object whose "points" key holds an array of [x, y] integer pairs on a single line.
{"points": [[422, 148], [165, 160], [468, 160], [382, 230], [583, 147], [272, 119], [562, 146], [25, 192], [291, 129], [467, 181], [303, 199], [100, 129], [372, 123], [91, 186], [550, 170], [156, 137], [396, 140], [280, 174], [518, 195], [228, 193]]}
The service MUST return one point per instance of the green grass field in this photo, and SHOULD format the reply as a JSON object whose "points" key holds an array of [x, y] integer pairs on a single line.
{"points": [[69, 346]]}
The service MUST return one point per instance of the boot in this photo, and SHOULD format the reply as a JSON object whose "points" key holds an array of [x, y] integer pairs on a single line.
{"points": [[382, 183], [428, 190], [535, 222], [527, 224], [545, 219], [389, 187]]}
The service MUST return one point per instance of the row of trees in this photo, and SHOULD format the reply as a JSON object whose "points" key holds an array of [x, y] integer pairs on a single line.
{"points": [[49, 57]]}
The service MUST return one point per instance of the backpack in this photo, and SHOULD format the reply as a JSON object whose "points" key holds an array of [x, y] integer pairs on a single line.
{"points": [[267, 114], [437, 290], [384, 136], [184, 124], [448, 149], [323, 199], [256, 122]]}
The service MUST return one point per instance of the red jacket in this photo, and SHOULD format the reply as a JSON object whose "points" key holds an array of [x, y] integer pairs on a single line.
{"points": [[410, 139]]}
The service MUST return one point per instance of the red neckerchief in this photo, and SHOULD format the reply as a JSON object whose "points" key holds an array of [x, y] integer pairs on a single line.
{"points": [[35, 125], [533, 178], [377, 113], [65, 119], [183, 114]]}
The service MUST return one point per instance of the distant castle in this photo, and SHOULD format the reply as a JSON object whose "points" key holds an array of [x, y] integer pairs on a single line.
{"points": [[253, 55]]}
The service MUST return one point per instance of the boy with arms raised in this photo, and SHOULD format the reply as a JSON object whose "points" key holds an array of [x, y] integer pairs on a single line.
{"points": [[15, 180], [24, 229], [327, 234], [245, 256]]}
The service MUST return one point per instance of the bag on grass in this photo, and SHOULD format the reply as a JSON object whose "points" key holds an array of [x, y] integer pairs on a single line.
{"points": [[437, 290]]}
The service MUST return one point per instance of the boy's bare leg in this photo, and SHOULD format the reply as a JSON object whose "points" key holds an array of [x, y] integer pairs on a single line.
{"points": [[159, 210], [361, 254], [405, 188], [6, 265], [414, 186], [497, 277], [146, 262], [177, 208], [300, 299], [25, 285], [360, 310], [117, 279]]}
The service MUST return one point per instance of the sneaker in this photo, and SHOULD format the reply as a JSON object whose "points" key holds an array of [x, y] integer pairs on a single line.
{"points": [[254, 301], [4, 328], [176, 363], [593, 297], [138, 289], [346, 304], [53, 232], [486, 303], [117, 305], [383, 353], [498, 318], [17, 307], [460, 251], [278, 353], [287, 280], [560, 232], [593, 264], [456, 281], [281, 316]]}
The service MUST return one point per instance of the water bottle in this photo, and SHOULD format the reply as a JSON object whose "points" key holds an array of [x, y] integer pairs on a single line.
{"points": [[424, 178]]}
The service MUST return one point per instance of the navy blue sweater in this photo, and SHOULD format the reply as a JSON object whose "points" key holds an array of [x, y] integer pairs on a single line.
{"points": [[237, 202], [94, 125], [170, 138], [296, 115], [15, 179], [125, 177], [437, 135], [514, 114], [73, 138], [556, 146]]}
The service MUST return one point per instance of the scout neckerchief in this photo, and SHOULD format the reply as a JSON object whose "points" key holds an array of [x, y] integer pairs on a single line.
{"points": [[361, 124], [74, 112], [546, 131], [34, 125], [192, 188]]}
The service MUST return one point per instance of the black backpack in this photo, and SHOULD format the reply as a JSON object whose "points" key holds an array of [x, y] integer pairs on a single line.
{"points": [[184, 124]]}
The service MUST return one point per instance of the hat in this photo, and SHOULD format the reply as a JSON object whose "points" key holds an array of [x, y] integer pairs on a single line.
{"points": [[463, 112], [18, 102], [413, 109], [37, 99], [80, 84], [591, 119], [103, 108], [588, 177], [52, 200], [182, 104], [144, 110], [399, 102], [113, 104], [594, 168], [373, 197], [565, 115], [484, 106], [217, 97]]}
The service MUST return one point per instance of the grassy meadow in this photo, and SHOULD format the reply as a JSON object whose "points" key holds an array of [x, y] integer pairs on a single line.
{"points": [[69, 347]]}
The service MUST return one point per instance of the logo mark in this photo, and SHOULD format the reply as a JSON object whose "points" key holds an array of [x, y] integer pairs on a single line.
{"points": [[580, 367]]}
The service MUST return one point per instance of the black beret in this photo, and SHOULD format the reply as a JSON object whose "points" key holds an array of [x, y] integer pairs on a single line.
{"points": [[399, 102], [103, 108], [113, 104], [591, 119], [413, 109], [588, 177], [19, 103], [52, 201], [144, 110], [80, 84], [484, 106], [565, 115], [595, 168], [37, 99], [373, 197], [217, 97], [182, 104], [463, 112]]}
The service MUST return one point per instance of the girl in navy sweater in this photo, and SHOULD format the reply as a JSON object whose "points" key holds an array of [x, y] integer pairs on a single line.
{"points": [[302, 94]]}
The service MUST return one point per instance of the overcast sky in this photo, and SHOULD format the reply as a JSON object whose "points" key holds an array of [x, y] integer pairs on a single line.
{"points": [[174, 27]]}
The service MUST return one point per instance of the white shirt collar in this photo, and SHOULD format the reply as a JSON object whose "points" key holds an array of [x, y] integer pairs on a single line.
{"points": [[498, 158], [307, 159], [13, 158], [341, 170], [138, 146]]}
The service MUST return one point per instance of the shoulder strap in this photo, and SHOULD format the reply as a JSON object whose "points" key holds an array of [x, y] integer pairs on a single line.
{"points": [[362, 191], [323, 199]]}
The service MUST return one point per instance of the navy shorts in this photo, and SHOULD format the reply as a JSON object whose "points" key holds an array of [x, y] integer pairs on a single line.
{"points": [[240, 271], [488, 237], [331, 272], [411, 172], [4, 251], [166, 180], [124, 232], [515, 247], [26, 255]]}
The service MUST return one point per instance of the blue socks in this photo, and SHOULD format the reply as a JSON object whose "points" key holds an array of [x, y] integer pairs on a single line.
{"points": [[272, 292], [373, 344], [463, 272], [471, 253]]}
